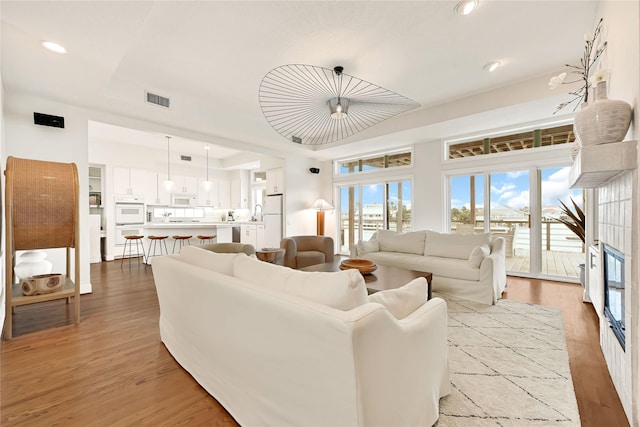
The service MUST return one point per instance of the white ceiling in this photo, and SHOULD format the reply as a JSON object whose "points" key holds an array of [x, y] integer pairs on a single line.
{"points": [[209, 58]]}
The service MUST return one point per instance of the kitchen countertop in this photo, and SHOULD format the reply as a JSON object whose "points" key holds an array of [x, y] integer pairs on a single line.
{"points": [[198, 224]]}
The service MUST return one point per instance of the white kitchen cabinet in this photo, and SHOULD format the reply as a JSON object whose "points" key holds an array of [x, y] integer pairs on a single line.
{"points": [[224, 194], [185, 184], [129, 181], [275, 181], [252, 234], [224, 234], [208, 198], [158, 194], [121, 181], [248, 234], [259, 236], [240, 190]]}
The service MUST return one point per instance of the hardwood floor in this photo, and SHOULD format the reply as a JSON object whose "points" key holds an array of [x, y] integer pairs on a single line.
{"points": [[113, 370]]}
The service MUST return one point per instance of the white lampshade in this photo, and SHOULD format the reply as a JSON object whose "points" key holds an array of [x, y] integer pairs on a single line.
{"points": [[322, 205], [168, 185], [206, 185]]}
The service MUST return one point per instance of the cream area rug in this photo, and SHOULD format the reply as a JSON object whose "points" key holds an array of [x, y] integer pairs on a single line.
{"points": [[509, 367]]}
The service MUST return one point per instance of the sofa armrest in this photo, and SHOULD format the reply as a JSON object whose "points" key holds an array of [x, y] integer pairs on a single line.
{"points": [[498, 245], [414, 354], [328, 249], [493, 269], [291, 251]]}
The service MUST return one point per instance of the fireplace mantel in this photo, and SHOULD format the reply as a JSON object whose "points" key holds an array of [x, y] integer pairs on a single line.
{"points": [[595, 165]]}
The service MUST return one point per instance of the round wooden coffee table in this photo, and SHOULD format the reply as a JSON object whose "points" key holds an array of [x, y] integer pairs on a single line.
{"points": [[272, 255]]}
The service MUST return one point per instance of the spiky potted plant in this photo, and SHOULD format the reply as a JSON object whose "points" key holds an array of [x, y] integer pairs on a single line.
{"points": [[576, 223]]}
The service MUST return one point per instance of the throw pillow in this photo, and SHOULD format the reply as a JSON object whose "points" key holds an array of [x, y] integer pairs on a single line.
{"points": [[477, 255], [457, 246], [410, 243], [220, 263], [403, 301], [368, 246], [343, 290]]}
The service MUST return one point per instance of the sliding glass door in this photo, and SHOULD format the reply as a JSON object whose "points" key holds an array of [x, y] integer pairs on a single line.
{"points": [[509, 209], [561, 249], [523, 206], [365, 208]]}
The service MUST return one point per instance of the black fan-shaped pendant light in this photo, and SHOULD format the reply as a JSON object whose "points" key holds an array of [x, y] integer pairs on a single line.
{"points": [[314, 105]]}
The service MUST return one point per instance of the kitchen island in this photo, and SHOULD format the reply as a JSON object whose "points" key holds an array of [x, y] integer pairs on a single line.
{"points": [[223, 230]]}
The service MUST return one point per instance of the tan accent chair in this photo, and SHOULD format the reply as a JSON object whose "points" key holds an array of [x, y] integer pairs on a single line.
{"points": [[303, 251], [229, 248]]}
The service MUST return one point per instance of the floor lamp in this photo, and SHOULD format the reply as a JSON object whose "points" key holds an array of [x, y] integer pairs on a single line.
{"points": [[321, 205]]}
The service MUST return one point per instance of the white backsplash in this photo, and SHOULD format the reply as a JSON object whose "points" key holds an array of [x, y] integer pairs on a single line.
{"points": [[615, 209]]}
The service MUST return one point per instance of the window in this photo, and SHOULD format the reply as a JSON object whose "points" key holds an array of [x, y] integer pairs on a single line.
{"points": [[375, 162], [513, 142]]}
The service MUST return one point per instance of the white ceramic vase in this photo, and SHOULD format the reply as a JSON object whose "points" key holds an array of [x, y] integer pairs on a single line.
{"points": [[32, 263], [602, 121]]}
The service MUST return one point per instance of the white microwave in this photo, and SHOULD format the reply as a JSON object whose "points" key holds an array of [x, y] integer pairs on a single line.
{"points": [[180, 200]]}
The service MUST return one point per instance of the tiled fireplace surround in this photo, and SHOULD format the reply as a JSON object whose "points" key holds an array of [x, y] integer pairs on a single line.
{"points": [[615, 208]]}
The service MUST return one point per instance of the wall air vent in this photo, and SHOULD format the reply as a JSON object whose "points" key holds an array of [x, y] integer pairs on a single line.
{"points": [[152, 98], [185, 158]]}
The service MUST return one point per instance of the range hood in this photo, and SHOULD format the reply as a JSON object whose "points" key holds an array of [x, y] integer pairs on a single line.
{"points": [[595, 165]]}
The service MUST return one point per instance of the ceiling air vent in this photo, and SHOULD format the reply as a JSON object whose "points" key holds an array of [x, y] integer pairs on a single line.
{"points": [[152, 98], [185, 158]]}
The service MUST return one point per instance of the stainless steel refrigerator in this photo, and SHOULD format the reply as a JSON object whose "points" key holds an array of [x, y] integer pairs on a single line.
{"points": [[273, 221]]}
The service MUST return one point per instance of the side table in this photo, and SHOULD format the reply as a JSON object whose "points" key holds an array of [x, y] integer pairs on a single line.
{"points": [[272, 255]]}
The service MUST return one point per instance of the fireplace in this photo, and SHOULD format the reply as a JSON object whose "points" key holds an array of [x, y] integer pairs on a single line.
{"points": [[613, 263]]}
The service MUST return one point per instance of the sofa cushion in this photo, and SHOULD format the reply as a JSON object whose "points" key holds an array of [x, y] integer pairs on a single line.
{"points": [[403, 301], [367, 246], [449, 245], [410, 243], [439, 266], [343, 290], [478, 254], [307, 258], [219, 262]]}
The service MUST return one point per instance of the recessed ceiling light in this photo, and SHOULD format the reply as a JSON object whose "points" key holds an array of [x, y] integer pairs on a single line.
{"points": [[466, 7], [54, 47], [491, 66]]}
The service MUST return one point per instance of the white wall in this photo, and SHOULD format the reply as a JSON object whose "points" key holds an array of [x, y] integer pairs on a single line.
{"points": [[2, 222], [428, 196], [26, 140], [302, 189]]}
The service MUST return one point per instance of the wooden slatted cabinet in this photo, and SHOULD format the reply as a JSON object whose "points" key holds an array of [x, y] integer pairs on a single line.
{"points": [[41, 208]]}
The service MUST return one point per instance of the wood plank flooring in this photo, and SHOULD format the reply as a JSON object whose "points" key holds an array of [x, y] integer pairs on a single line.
{"points": [[112, 369]]}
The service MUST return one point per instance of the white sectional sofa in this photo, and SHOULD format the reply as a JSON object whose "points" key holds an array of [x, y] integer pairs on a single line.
{"points": [[470, 266], [282, 347]]}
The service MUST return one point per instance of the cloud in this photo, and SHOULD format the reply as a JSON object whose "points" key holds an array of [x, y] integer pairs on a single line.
{"points": [[518, 200], [504, 188], [555, 187], [516, 174]]}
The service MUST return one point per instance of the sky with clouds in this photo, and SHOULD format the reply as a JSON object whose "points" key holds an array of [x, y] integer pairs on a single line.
{"points": [[512, 189]]}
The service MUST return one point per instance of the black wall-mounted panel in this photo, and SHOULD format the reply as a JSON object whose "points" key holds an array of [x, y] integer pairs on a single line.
{"points": [[48, 120]]}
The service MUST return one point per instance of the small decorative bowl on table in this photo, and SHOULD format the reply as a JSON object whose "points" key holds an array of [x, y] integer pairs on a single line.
{"points": [[42, 284], [364, 266]]}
